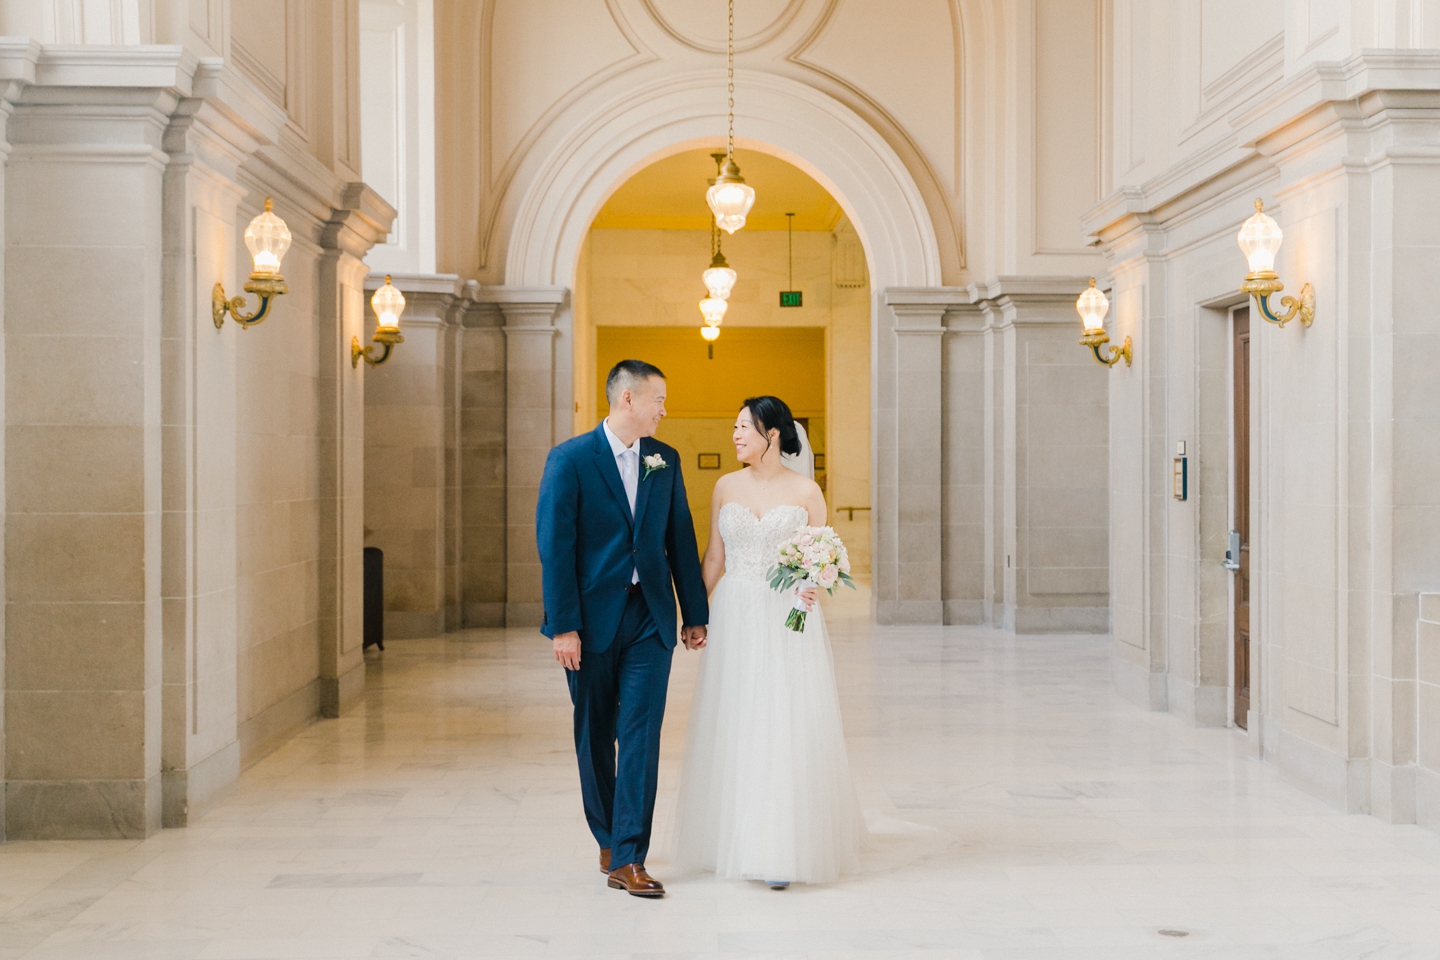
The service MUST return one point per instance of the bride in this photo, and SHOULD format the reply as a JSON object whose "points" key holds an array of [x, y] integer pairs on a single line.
{"points": [[765, 792]]}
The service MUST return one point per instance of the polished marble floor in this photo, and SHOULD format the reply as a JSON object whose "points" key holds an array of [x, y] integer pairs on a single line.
{"points": [[1022, 813]]}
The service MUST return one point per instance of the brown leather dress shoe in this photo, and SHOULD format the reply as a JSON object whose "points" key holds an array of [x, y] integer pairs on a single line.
{"points": [[604, 859], [633, 879]]}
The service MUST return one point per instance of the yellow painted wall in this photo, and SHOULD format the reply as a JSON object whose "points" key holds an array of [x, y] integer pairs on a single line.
{"points": [[704, 395], [787, 362], [640, 288]]}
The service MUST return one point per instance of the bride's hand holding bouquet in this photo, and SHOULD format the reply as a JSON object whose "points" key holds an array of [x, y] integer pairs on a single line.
{"points": [[814, 558]]}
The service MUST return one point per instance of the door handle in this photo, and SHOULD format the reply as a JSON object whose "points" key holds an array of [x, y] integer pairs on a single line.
{"points": [[1232, 555]]}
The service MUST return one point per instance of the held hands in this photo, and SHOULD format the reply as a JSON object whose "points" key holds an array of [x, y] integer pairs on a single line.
{"points": [[567, 645], [567, 649]]}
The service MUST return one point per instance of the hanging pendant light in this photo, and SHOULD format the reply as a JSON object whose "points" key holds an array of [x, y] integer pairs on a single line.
{"points": [[719, 277], [730, 198], [713, 310]]}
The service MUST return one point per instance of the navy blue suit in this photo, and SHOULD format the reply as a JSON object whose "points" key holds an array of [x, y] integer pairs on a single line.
{"points": [[590, 545]]}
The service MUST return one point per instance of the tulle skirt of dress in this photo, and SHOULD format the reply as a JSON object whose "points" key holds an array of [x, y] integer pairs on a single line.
{"points": [[765, 792]]}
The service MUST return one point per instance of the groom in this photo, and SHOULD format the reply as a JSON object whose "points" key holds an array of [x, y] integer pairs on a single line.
{"points": [[614, 527]]}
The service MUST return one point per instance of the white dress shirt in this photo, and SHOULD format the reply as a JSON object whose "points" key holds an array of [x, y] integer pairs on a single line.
{"points": [[627, 459]]}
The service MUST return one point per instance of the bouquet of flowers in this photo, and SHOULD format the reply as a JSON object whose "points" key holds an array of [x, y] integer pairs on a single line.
{"points": [[814, 556]]}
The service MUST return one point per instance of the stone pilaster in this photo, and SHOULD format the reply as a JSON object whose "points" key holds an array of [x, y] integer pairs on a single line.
{"points": [[361, 221], [200, 750], [532, 388], [412, 471], [83, 460], [908, 509], [1050, 460], [963, 466], [482, 464]]}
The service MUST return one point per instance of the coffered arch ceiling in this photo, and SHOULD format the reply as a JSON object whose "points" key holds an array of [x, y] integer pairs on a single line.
{"points": [[593, 53]]}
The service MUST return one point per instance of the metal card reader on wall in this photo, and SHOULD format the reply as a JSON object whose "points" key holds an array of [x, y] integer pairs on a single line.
{"points": [[1181, 478], [1232, 551]]}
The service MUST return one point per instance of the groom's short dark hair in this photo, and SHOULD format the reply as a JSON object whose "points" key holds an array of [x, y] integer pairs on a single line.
{"points": [[625, 374]]}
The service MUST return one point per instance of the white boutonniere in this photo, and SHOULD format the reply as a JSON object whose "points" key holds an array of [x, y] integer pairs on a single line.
{"points": [[652, 463]]}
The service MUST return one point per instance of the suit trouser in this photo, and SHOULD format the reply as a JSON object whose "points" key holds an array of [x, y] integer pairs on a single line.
{"points": [[619, 697]]}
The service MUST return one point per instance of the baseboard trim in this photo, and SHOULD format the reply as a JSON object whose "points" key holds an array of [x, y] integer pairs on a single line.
{"points": [[82, 809], [338, 694], [1342, 783], [964, 612], [1427, 798], [413, 624], [259, 736], [909, 611], [1132, 682], [1392, 792], [483, 615], [524, 614], [1201, 705], [187, 794], [1027, 619]]}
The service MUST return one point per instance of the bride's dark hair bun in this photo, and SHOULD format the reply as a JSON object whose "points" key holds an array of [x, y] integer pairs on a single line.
{"points": [[771, 413]]}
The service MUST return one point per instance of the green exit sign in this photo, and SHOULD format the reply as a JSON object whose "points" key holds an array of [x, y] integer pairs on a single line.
{"points": [[790, 298]]}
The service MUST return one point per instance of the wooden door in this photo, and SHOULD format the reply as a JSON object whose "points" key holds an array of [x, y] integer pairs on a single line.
{"points": [[1241, 459]]}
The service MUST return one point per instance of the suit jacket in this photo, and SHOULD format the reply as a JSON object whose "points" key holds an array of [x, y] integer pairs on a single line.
{"points": [[589, 543]]}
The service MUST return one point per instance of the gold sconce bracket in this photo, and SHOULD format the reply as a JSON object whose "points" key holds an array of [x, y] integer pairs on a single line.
{"points": [[1097, 340], [1263, 285], [385, 336], [266, 288]]}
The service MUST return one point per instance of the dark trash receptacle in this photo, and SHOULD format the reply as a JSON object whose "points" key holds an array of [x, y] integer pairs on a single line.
{"points": [[374, 598]]}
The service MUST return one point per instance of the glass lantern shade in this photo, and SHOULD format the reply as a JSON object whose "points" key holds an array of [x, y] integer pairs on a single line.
{"points": [[388, 303], [713, 310], [710, 333], [730, 198], [267, 238], [1260, 240], [1093, 306], [719, 280]]}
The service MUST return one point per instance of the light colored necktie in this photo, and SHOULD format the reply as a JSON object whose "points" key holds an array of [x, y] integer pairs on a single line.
{"points": [[630, 476]]}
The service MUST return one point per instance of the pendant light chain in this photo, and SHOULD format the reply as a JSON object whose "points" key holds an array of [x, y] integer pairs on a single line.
{"points": [[730, 76], [730, 197]]}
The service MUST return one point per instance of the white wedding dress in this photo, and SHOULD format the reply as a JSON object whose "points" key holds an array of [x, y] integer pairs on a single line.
{"points": [[765, 792]]}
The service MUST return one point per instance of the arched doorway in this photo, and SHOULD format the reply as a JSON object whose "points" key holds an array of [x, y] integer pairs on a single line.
{"points": [[628, 129], [636, 286]]}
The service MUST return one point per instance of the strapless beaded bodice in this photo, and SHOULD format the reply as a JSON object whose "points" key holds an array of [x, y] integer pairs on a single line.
{"points": [[752, 544]]}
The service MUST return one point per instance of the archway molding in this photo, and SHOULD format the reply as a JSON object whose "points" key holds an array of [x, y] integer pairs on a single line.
{"points": [[778, 115], [613, 135]]}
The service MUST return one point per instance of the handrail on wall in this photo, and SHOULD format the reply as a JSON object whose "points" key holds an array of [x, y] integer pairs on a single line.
{"points": [[850, 510]]}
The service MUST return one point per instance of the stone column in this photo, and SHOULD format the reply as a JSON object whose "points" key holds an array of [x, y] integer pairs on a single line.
{"points": [[482, 465], [412, 410], [531, 413], [200, 751], [963, 466], [909, 430], [361, 221], [83, 461], [1051, 459]]}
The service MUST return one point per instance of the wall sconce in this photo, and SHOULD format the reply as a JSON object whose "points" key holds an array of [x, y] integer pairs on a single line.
{"points": [[1093, 307], [268, 238], [1260, 241], [388, 303]]}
